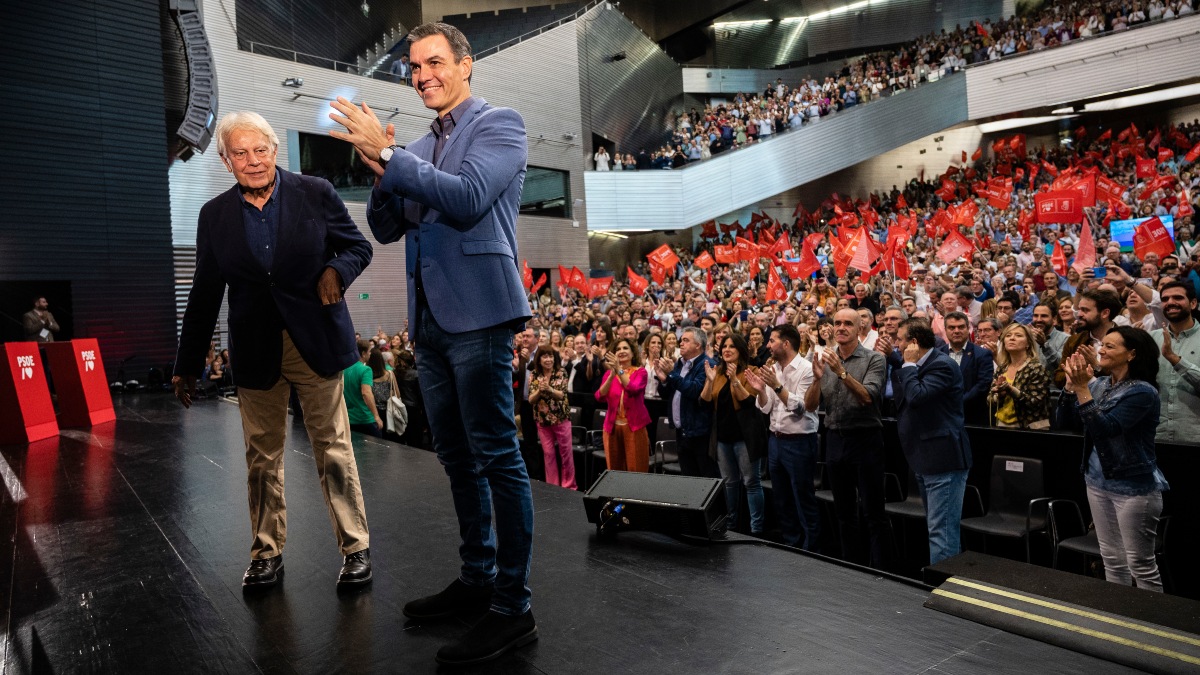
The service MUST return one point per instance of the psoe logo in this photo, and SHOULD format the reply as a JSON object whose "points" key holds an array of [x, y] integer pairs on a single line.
{"points": [[25, 364], [89, 359]]}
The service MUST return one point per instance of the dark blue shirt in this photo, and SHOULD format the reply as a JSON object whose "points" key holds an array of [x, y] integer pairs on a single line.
{"points": [[261, 226]]}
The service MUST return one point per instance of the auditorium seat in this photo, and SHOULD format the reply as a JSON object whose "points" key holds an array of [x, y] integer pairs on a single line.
{"points": [[1018, 502], [594, 452], [666, 454]]}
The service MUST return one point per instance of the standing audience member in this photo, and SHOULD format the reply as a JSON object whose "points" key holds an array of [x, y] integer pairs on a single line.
{"points": [[680, 386], [1178, 377], [40, 325], [740, 434], [1118, 414], [976, 365], [383, 386], [849, 378], [1050, 340], [1020, 394], [360, 398], [930, 425], [552, 412], [626, 441]]}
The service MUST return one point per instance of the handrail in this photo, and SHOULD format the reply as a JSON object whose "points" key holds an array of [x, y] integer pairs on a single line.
{"points": [[538, 31]]}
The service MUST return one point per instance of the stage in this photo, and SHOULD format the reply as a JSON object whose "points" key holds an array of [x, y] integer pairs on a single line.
{"points": [[123, 550]]}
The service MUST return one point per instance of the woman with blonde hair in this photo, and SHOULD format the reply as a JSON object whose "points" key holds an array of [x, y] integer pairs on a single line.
{"points": [[1020, 394]]}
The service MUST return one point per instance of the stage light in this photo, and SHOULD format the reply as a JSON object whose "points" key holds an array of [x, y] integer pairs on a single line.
{"points": [[1018, 122], [293, 82]]}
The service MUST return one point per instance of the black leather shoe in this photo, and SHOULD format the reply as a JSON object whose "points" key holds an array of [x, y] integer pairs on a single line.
{"points": [[263, 573], [458, 598], [494, 635], [356, 569]]}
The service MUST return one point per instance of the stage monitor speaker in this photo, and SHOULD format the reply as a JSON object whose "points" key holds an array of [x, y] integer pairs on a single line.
{"points": [[673, 505], [200, 118]]}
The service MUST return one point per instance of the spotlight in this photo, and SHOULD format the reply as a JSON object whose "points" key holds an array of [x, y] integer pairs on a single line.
{"points": [[293, 82]]}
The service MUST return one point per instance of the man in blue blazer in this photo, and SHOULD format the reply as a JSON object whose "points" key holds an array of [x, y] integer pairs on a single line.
{"points": [[977, 365], [930, 424], [286, 248], [455, 193], [680, 386]]}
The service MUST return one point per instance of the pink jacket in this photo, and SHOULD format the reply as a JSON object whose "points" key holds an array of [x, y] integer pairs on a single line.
{"points": [[635, 400]]}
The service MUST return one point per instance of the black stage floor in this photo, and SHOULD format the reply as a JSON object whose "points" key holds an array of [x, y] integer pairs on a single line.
{"points": [[123, 548]]}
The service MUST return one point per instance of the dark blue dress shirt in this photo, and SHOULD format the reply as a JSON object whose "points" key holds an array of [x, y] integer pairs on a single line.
{"points": [[262, 226]]}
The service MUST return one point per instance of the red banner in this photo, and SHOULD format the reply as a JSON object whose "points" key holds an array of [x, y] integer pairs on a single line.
{"points": [[775, 288], [664, 257], [1185, 204], [954, 247], [658, 274], [637, 283], [704, 260], [1085, 255], [1193, 154], [746, 249], [1146, 168], [1062, 206], [781, 246], [579, 281], [526, 274], [1164, 155], [1152, 237], [725, 254], [79, 382], [1058, 259], [1086, 187], [1108, 189], [537, 285], [26, 411], [598, 286]]}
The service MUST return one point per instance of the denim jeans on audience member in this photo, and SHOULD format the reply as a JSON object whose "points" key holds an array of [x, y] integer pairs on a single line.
{"points": [[943, 494], [737, 469], [793, 464], [1126, 528], [466, 379]]}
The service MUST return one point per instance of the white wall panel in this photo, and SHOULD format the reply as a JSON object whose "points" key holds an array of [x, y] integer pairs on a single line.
{"points": [[682, 198]]}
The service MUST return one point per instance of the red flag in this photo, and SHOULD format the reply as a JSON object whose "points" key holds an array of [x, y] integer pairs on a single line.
{"points": [[955, 246], [1164, 154], [897, 235], [841, 259], [1080, 132], [798, 210], [1086, 187], [746, 249], [1155, 139], [526, 275], [864, 252], [725, 254], [599, 286], [664, 257], [1024, 221], [1152, 237], [781, 246], [1120, 209], [805, 267], [775, 288], [1193, 154], [658, 274], [708, 282], [1107, 188], [564, 276], [1017, 145], [899, 261], [1062, 206], [1157, 183], [753, 267], [977, 154], [537, 286], [901, 202], [1049, 168], [1185, 205], [1106, 136], [637, 283], [704, 261], [709, 230], [579, 280], [964, 213], [1146, 168], [964, 156], [813, 240], [1058, 259], [1085, 254]]}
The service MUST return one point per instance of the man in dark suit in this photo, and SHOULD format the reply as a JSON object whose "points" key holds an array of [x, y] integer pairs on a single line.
{"points": [[930, 425], [286, 248], [455, 193], [976, 364], [680, 387]]}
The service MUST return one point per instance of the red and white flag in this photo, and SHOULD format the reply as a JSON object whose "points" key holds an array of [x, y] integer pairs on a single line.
{"points": [[637, 283], [1152, 237], [664, 257], [704, 260], [1059, 206], [1085, 255], [955, 246], [1058, 259]]}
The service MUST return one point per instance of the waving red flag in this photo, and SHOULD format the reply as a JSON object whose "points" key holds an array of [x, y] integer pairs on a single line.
{"points": [[1164, 155], [664, 257], [864, 252], [1146, 168], [725, 254], [753, 269], [1193, 154], [526, 275], [899, 261], [955, 246], [964, 156], [775, 288], [1120, 209], [1024, 221], [564, 276], [578, 281], [805, 267], [1058, 259], [1107, 188], [658, 274], [1086, 187], [781, 246], [704, 261], [746, 249], [1062, 206], [1185, 205], [709, 230], [537, 285], [637, 283], [901, 202], [977, 154], [1085, 254], [1152, 237], [1106, 136], [814, 240], [1157, 183], [598, 286]]}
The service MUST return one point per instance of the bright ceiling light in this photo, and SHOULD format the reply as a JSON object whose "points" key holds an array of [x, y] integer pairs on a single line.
{"points": [[1018, 122], [1144, 99], [741, 24]]}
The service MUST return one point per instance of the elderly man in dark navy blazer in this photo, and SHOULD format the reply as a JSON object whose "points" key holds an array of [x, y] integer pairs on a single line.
{"points": [[930, 425], [977, 365], [287, 250], [454, 194]]}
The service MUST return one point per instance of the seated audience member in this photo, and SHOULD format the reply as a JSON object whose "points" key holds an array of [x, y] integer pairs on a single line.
{"points": [[383, 386], [1020, 394]]}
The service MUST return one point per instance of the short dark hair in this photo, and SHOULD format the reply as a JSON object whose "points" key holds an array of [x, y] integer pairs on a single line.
{"points": [[1187, 288], [535, 364], [957, 316], [636, 355], [788, 333], [1144, 365], [458, 42], [1104, 299], [919, 330], [1012, 297], [365, 346]]}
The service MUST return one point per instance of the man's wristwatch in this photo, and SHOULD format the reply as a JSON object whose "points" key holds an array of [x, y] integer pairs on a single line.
{"points": [[842, 375], [778, 389], [385, 155]]}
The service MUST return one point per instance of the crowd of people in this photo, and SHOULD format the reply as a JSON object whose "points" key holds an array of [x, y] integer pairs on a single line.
{"points": [[1049, 325], [753, 117]]}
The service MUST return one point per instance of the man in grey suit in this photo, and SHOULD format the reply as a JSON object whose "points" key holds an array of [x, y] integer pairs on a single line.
{"points": [[455, 194], [930, 424]]}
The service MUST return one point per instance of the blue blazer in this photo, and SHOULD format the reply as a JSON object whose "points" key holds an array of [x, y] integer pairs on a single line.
{"points": [[694, 414], [315, 232], [978, 368], [929, 417], [460, 216]]}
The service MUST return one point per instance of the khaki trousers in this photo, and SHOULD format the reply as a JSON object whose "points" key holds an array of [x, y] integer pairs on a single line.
{"points": [[264, 423]]}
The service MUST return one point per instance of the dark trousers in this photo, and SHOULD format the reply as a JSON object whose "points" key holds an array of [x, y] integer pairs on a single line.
{"points": [[854, 458], [792, 462], [693, 456], [371, 429]]}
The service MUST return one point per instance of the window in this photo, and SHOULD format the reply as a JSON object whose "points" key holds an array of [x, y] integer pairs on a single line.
{"points": [[337, 162], [547, 192]]}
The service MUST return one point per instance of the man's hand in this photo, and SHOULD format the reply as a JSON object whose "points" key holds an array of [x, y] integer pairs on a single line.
{"points": [[363, 129], [912, 353], [185, 389], [755, 380], [767, 373], [1039, 335], [329, 288], [883, 344], [663, 368], [1168, 351], [818, 366]]}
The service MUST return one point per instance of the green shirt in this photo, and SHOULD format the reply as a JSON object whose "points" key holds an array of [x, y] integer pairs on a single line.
{"points": [[1179, 388], [354, 378]]}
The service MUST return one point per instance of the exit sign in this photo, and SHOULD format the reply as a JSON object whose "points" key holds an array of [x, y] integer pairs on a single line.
{"points": [[364, 296]]}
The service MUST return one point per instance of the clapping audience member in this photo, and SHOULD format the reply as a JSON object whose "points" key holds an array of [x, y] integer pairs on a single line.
{"points": [[552, 413], [626, 441], [740, 434], [1020, 394]]}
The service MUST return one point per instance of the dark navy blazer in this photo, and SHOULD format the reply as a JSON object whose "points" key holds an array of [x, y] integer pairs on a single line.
{"points": [[978, 368], [315, 232], [460, 217], [695, 415], [929, 416]]}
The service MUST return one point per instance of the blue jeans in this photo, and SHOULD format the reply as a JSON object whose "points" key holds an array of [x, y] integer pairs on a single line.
{"points": [[943, 494], [737, 469], [466, 379], [793, 464]]}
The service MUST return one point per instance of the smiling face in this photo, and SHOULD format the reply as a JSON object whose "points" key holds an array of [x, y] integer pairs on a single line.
{"points": [[1113, 354], [250, 155], [729, 353], [439, 79]]}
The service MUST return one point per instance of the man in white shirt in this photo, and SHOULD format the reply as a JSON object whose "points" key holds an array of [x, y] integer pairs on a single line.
{"points": [[782, 385], [867, 335]]}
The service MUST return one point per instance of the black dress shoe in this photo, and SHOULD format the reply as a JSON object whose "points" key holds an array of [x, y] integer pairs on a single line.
{"points": [[494, 635], [356, 569], [458, 598], [263, 573]]}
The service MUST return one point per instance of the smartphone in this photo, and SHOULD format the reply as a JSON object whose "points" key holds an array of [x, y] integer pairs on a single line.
{"points": [[1100, 272], [1036, 263], [1018, 288]]}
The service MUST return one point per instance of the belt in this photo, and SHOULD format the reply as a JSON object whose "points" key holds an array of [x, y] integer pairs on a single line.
{"points": [[787, 437]]}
